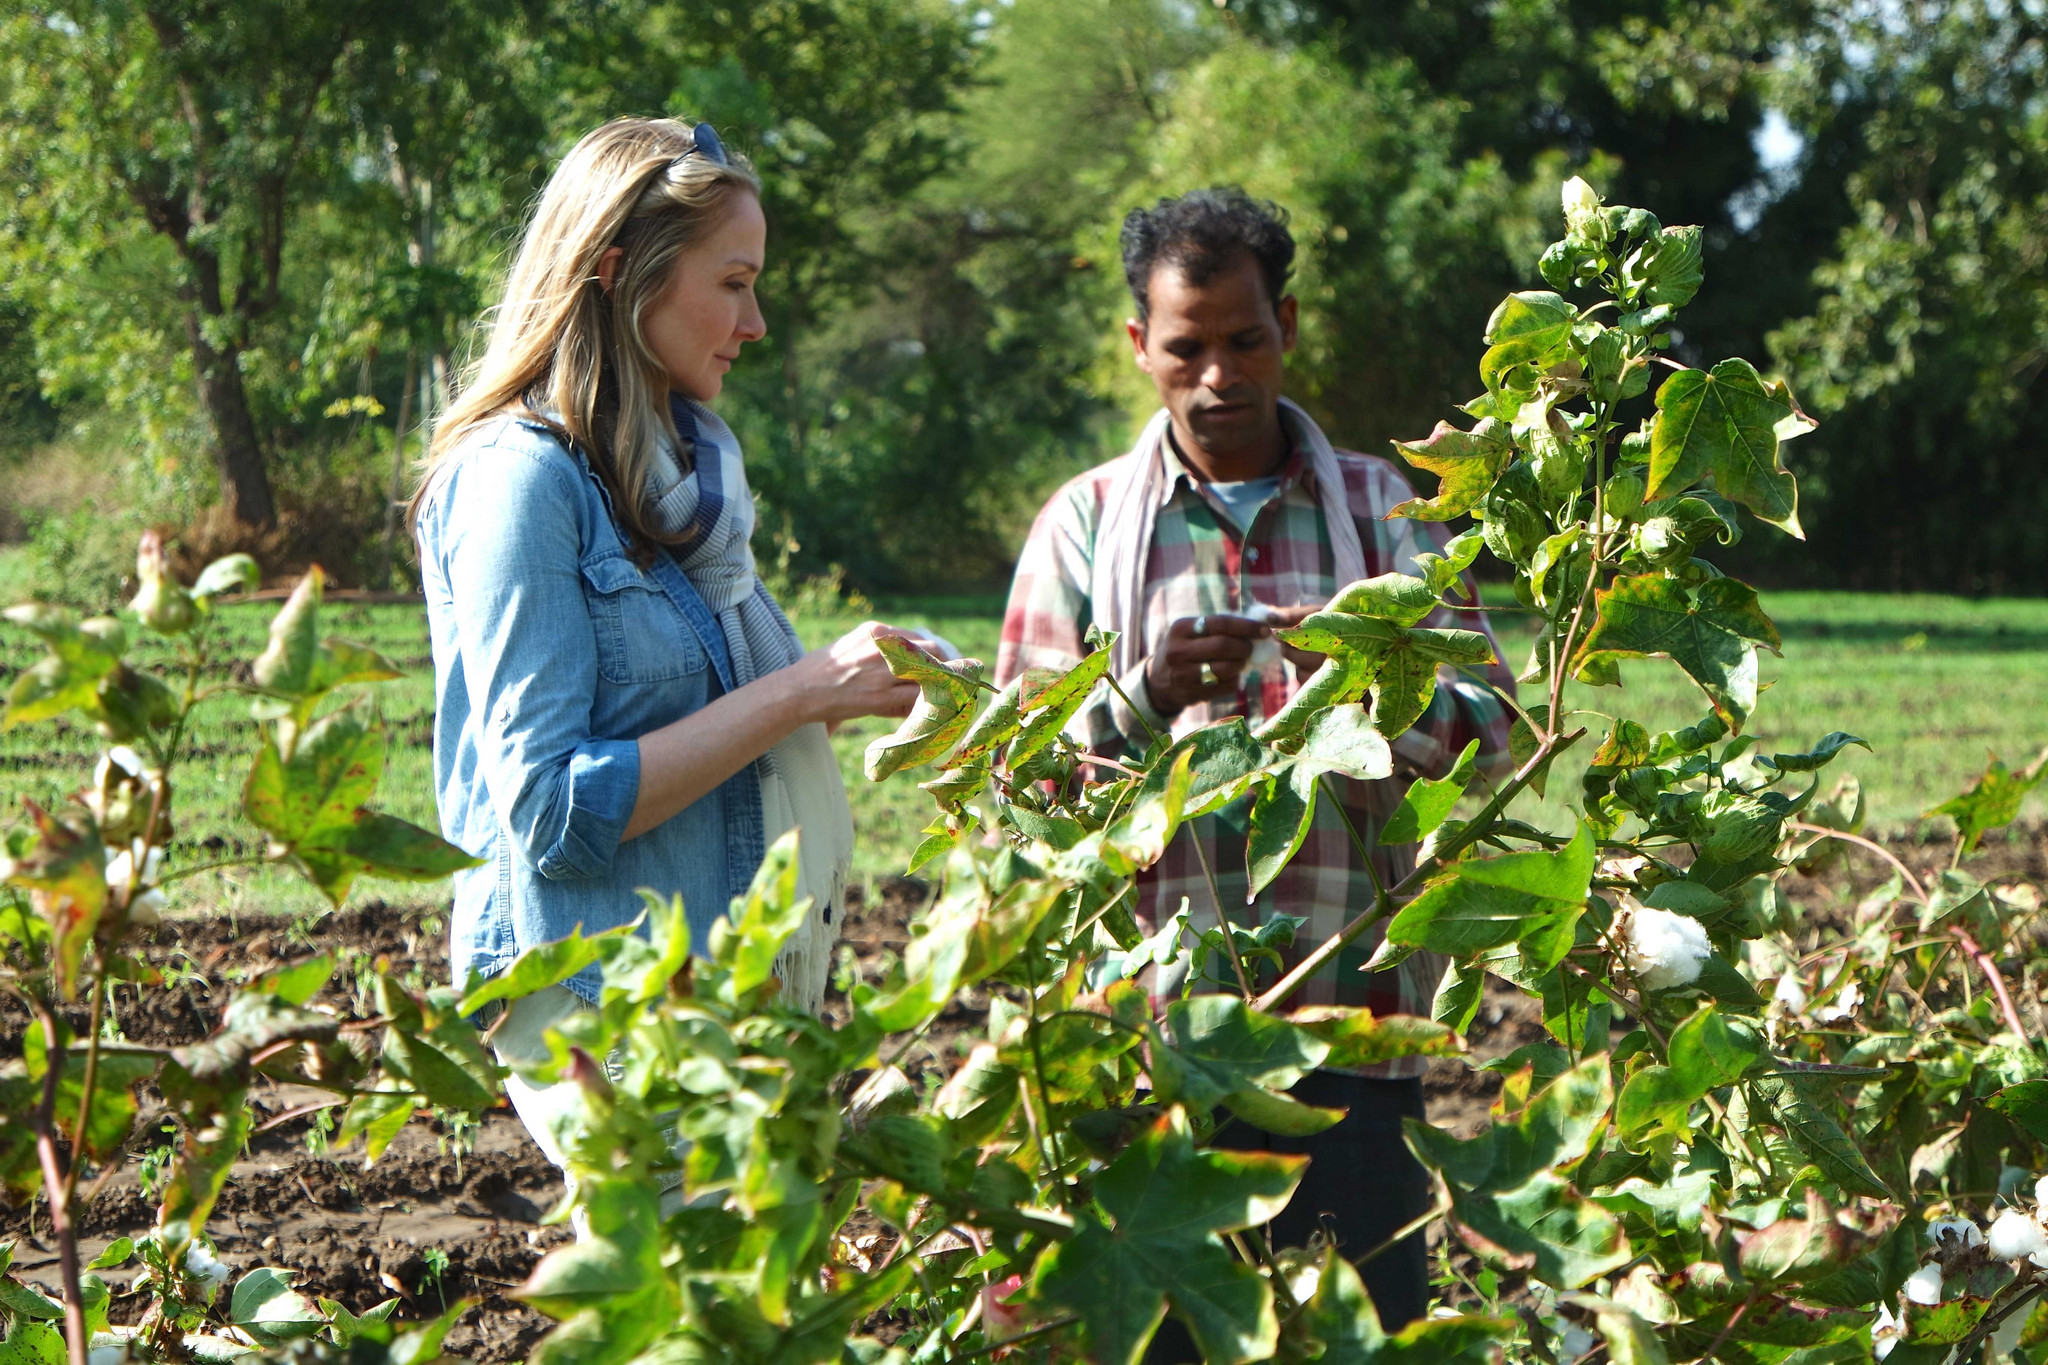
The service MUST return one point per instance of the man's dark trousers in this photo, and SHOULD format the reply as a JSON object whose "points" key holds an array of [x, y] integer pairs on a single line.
{"points": [[1362, 1185]]}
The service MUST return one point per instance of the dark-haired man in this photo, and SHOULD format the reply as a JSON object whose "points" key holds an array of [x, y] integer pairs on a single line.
{"points": [[1233, 514]]}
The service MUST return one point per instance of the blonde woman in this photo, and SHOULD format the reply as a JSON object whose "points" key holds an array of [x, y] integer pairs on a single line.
{"points": [[620, 703]]}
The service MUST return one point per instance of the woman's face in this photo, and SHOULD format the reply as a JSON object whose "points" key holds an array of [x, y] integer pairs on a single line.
{"points": [[698, 324]]}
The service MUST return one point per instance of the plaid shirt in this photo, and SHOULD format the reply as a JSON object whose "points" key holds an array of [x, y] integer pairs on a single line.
{"points": [[1199, 563]]}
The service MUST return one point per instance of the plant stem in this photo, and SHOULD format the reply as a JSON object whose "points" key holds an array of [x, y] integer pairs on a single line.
{"points": [[1223, 924], [1048, 1145], [1919, 891], [1379, 888], [1042, 1329], [57, 1187], [1326, 951], [1117, 688], [85, 1089], [1991, 974]]}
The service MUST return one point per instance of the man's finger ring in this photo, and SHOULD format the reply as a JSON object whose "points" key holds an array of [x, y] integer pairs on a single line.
{"points": [[1201, 626], [1209, 678]]}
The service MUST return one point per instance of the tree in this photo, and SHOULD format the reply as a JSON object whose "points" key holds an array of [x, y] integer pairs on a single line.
{"points": [[203, 123]]}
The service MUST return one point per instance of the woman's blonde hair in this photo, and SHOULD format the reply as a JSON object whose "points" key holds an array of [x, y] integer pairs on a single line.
{"points": [[564, 349]]}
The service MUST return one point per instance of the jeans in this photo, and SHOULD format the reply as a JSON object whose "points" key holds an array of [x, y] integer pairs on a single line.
{"points": [[1362, 1185]]}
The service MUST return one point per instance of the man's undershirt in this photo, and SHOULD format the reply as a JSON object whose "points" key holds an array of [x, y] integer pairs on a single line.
{"points": [[1243, 499]]}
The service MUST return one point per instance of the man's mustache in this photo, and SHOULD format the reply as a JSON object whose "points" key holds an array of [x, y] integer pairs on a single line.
{"points": [[1228, 398]]}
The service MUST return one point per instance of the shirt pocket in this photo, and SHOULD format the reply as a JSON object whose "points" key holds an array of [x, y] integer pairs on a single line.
{"points": [[642, 636]]}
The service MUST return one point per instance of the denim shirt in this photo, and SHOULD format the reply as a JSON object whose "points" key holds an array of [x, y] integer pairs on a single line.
{"points": [[553, 654]]}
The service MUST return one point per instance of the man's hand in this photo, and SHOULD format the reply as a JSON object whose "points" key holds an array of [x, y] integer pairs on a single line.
{"points": [[1281, 618], [1175, 676]]}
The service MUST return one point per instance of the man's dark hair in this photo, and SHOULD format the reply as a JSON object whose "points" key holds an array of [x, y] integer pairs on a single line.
{"points": [[1202, 233]]}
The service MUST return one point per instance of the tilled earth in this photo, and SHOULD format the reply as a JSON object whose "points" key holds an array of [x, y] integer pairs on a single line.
{"points": [[362, 1234]]}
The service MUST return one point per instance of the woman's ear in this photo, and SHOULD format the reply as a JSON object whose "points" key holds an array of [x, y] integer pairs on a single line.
{"points": [[608, 267]]}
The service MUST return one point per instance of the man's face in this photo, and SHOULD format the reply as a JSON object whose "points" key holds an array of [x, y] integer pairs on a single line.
{"points": [[1217, 353]]}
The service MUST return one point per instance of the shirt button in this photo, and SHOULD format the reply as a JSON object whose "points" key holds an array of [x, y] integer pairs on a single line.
{"points": [[1251, 556]]}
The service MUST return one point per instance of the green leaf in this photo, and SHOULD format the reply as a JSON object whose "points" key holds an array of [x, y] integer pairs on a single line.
{"points": [[1456, 1003], [1630, 1340], [1221, 1046], [1712, 632], [376, 1116], [1398, 597], [541, 966], [1142, 835], [1542, 1228], [1670, 265], [944, 709], [992, 728], [1222, 756], [1555, 1129], [2026, 1104], [22, 1301], [1341, 740], [773, 910], [387, 846], [1727, 422], [230, 573], [1531, 328], [63, 867], [1705, 1054], [1429, 801], [1051, 704], [33, 1343], [1802, 1109], [1165, 1202], [334, 768], [1482, 903], [1281, 815], [116, 1253], [288, 662], [1357, 1037], [1820, 755], [267, 1307], [1466, 463], [1342, 1316], [1993, 800], [1282, 1114]]}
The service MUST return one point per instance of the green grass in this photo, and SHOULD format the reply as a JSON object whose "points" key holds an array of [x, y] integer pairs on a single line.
{"points": [[1931, 682]]}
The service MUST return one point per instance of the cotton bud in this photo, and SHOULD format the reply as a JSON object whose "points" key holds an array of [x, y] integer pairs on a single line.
{"points": [[1963, 1230], [161, 603], [1923, 1286], [1582, 211], [1002, 1319], [2014, 1235], [1663, 950]]}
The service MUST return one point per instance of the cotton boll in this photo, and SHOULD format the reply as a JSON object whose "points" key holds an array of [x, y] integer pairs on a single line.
{"points": [[206, 1271], [1790, 994], [1885, 1332], [1923, 1286], [1662, 949], [1844, 1006], [2041, 1194], [1965, 1232], [2014, 1235]]}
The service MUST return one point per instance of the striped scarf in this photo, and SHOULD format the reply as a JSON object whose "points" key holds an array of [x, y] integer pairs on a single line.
{"points": [[707, 514]]}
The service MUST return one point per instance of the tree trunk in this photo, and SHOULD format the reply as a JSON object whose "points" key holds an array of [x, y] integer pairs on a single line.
{"points": [[390, 553], [244, 482]]}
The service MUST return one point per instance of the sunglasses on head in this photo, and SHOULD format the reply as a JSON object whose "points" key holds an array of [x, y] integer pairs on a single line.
{"points": [[704, 142]]}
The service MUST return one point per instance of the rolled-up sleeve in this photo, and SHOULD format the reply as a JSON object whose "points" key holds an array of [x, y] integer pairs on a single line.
{"points": [[511, 549]]}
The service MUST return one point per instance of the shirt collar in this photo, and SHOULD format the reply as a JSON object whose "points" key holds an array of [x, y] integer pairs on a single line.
{"points": [[1294, 469]]}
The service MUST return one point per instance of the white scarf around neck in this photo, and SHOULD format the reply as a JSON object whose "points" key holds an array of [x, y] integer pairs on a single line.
{"points": [[1123, 541]]}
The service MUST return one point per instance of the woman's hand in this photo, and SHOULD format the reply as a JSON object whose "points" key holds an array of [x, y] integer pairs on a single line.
{"points": [[850, 678]]}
